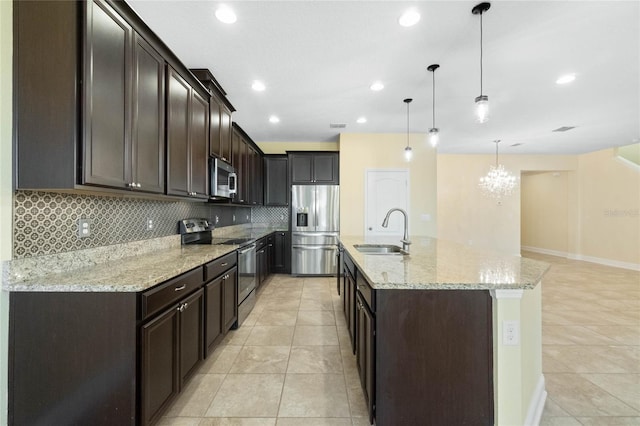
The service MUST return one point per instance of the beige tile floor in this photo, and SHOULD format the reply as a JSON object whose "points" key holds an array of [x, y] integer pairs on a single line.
{"points": [[291, 363], [590, 343]]}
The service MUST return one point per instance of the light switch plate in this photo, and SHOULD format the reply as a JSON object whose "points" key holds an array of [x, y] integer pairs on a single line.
{"points": [[511, 333]]}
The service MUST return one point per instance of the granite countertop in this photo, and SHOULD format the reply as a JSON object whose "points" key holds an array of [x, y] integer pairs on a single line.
{"points": [[435, 264], [133, 273]]}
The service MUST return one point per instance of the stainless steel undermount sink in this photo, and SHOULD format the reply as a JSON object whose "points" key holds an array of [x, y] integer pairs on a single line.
{"points": [[380, 249]]}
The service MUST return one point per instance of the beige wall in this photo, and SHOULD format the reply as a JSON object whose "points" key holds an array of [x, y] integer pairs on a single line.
{"points": [[467, 216], [6, 194], [283, 147], [609, 213], [359, 152], [545, 211], [602, 205]]}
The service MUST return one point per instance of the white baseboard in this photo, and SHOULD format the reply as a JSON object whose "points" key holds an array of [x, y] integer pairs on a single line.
{"points": [[545, 251], [607, 262], [536, 405], [592, 259]]}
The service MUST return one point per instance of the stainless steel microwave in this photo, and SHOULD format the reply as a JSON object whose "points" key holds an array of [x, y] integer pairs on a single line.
{"points": [[223, 179]]}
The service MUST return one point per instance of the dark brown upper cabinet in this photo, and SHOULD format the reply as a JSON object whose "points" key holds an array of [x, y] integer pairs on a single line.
{"points": [[246, 158], [314, 168], [220, 110], [276, 183], [187, 138], [96, 120], [97, 117]]}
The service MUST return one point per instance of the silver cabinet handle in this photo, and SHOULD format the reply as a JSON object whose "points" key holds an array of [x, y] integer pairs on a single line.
{"points": [[224, 264], [138, 185], [182, 287], [186, 304]]}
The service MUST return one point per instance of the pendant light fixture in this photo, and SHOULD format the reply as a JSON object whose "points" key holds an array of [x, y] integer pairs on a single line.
{"points": [[482, 101], [499, 182], [434, 135], [408, 153]]}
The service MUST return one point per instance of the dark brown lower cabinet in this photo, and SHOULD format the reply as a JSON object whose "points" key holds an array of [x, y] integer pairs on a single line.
{"points": [[221, 307], [230, 299], [72, 358], [172, 347], [350, 306], [281, 254], [365, 351], [213, 321]]}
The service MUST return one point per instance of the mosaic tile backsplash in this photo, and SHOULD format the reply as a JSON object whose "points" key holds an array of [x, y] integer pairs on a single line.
{"points": [[47, 223]]}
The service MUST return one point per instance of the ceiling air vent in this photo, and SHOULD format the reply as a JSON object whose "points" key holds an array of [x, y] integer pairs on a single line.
{"points": [[517, 144], [337, 125], [564, 128]]}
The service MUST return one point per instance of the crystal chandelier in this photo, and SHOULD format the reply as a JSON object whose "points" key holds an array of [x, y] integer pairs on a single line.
{"points": [[499, 182]]}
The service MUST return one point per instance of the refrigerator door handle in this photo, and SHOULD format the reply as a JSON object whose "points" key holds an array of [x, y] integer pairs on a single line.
{"points": [[303, 247], [315, 234]]}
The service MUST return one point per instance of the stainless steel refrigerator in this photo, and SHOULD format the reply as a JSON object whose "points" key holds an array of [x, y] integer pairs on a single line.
{"points": [[315, 224]]}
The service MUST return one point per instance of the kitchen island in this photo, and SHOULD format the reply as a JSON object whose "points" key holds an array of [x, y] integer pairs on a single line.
{"points": [[447, 334]]}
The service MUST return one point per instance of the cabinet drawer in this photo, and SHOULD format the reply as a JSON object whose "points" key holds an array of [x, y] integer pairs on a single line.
{"points": [[261, 243], [366, 291], [165, 294], [218, 266]]}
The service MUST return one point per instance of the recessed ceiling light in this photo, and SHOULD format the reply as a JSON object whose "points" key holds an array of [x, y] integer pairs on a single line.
{"points": [[274, 119], [226, 15], [567, 78], [361, 120], [258, 86], [409, 18], [377, 86]]}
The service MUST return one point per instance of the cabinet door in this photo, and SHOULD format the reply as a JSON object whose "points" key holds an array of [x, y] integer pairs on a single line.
{"points": [[237, 160], [159, 364], [213, 312], [214, 127], [326, 168], [230, 299], [276, 184], [350, 290], [198, 147], [178, 122], [282, 253], [148, 117], [191, 333], [107, 98], [225, 133], [301, 168], [244, 175], [365, 351]]}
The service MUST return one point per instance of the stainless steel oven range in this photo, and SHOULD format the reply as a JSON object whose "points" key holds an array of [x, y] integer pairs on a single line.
{"points": [[198, 231]]}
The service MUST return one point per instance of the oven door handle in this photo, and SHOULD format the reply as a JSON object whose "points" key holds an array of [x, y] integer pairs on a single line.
{"points": [[248, 249]]}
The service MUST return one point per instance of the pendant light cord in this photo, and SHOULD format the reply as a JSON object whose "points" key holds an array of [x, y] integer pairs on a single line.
{"points": [[434, 99], [481, 92], [407, 123]]}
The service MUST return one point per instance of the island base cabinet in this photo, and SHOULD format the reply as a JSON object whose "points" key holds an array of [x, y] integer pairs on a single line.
{"points": [[365, 352], [434, 357], [72, 358]]}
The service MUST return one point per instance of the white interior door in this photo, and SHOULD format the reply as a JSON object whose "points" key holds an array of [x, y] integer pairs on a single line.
{"points": [[385, 189]]}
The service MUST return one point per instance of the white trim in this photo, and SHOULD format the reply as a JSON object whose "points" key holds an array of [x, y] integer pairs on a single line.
{"points": [[507, 294], [592, 259], [607, 262], [536, 405], [545, 251]]}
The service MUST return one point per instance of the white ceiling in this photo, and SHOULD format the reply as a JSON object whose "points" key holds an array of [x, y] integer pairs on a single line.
{"points": [[318, 59]]}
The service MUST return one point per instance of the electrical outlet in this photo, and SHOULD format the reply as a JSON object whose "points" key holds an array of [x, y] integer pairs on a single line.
{"points": [[149, 224], [247, 217], [84, 228], [282, 217], [217, 219], [511, 333], [233, 218]]}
